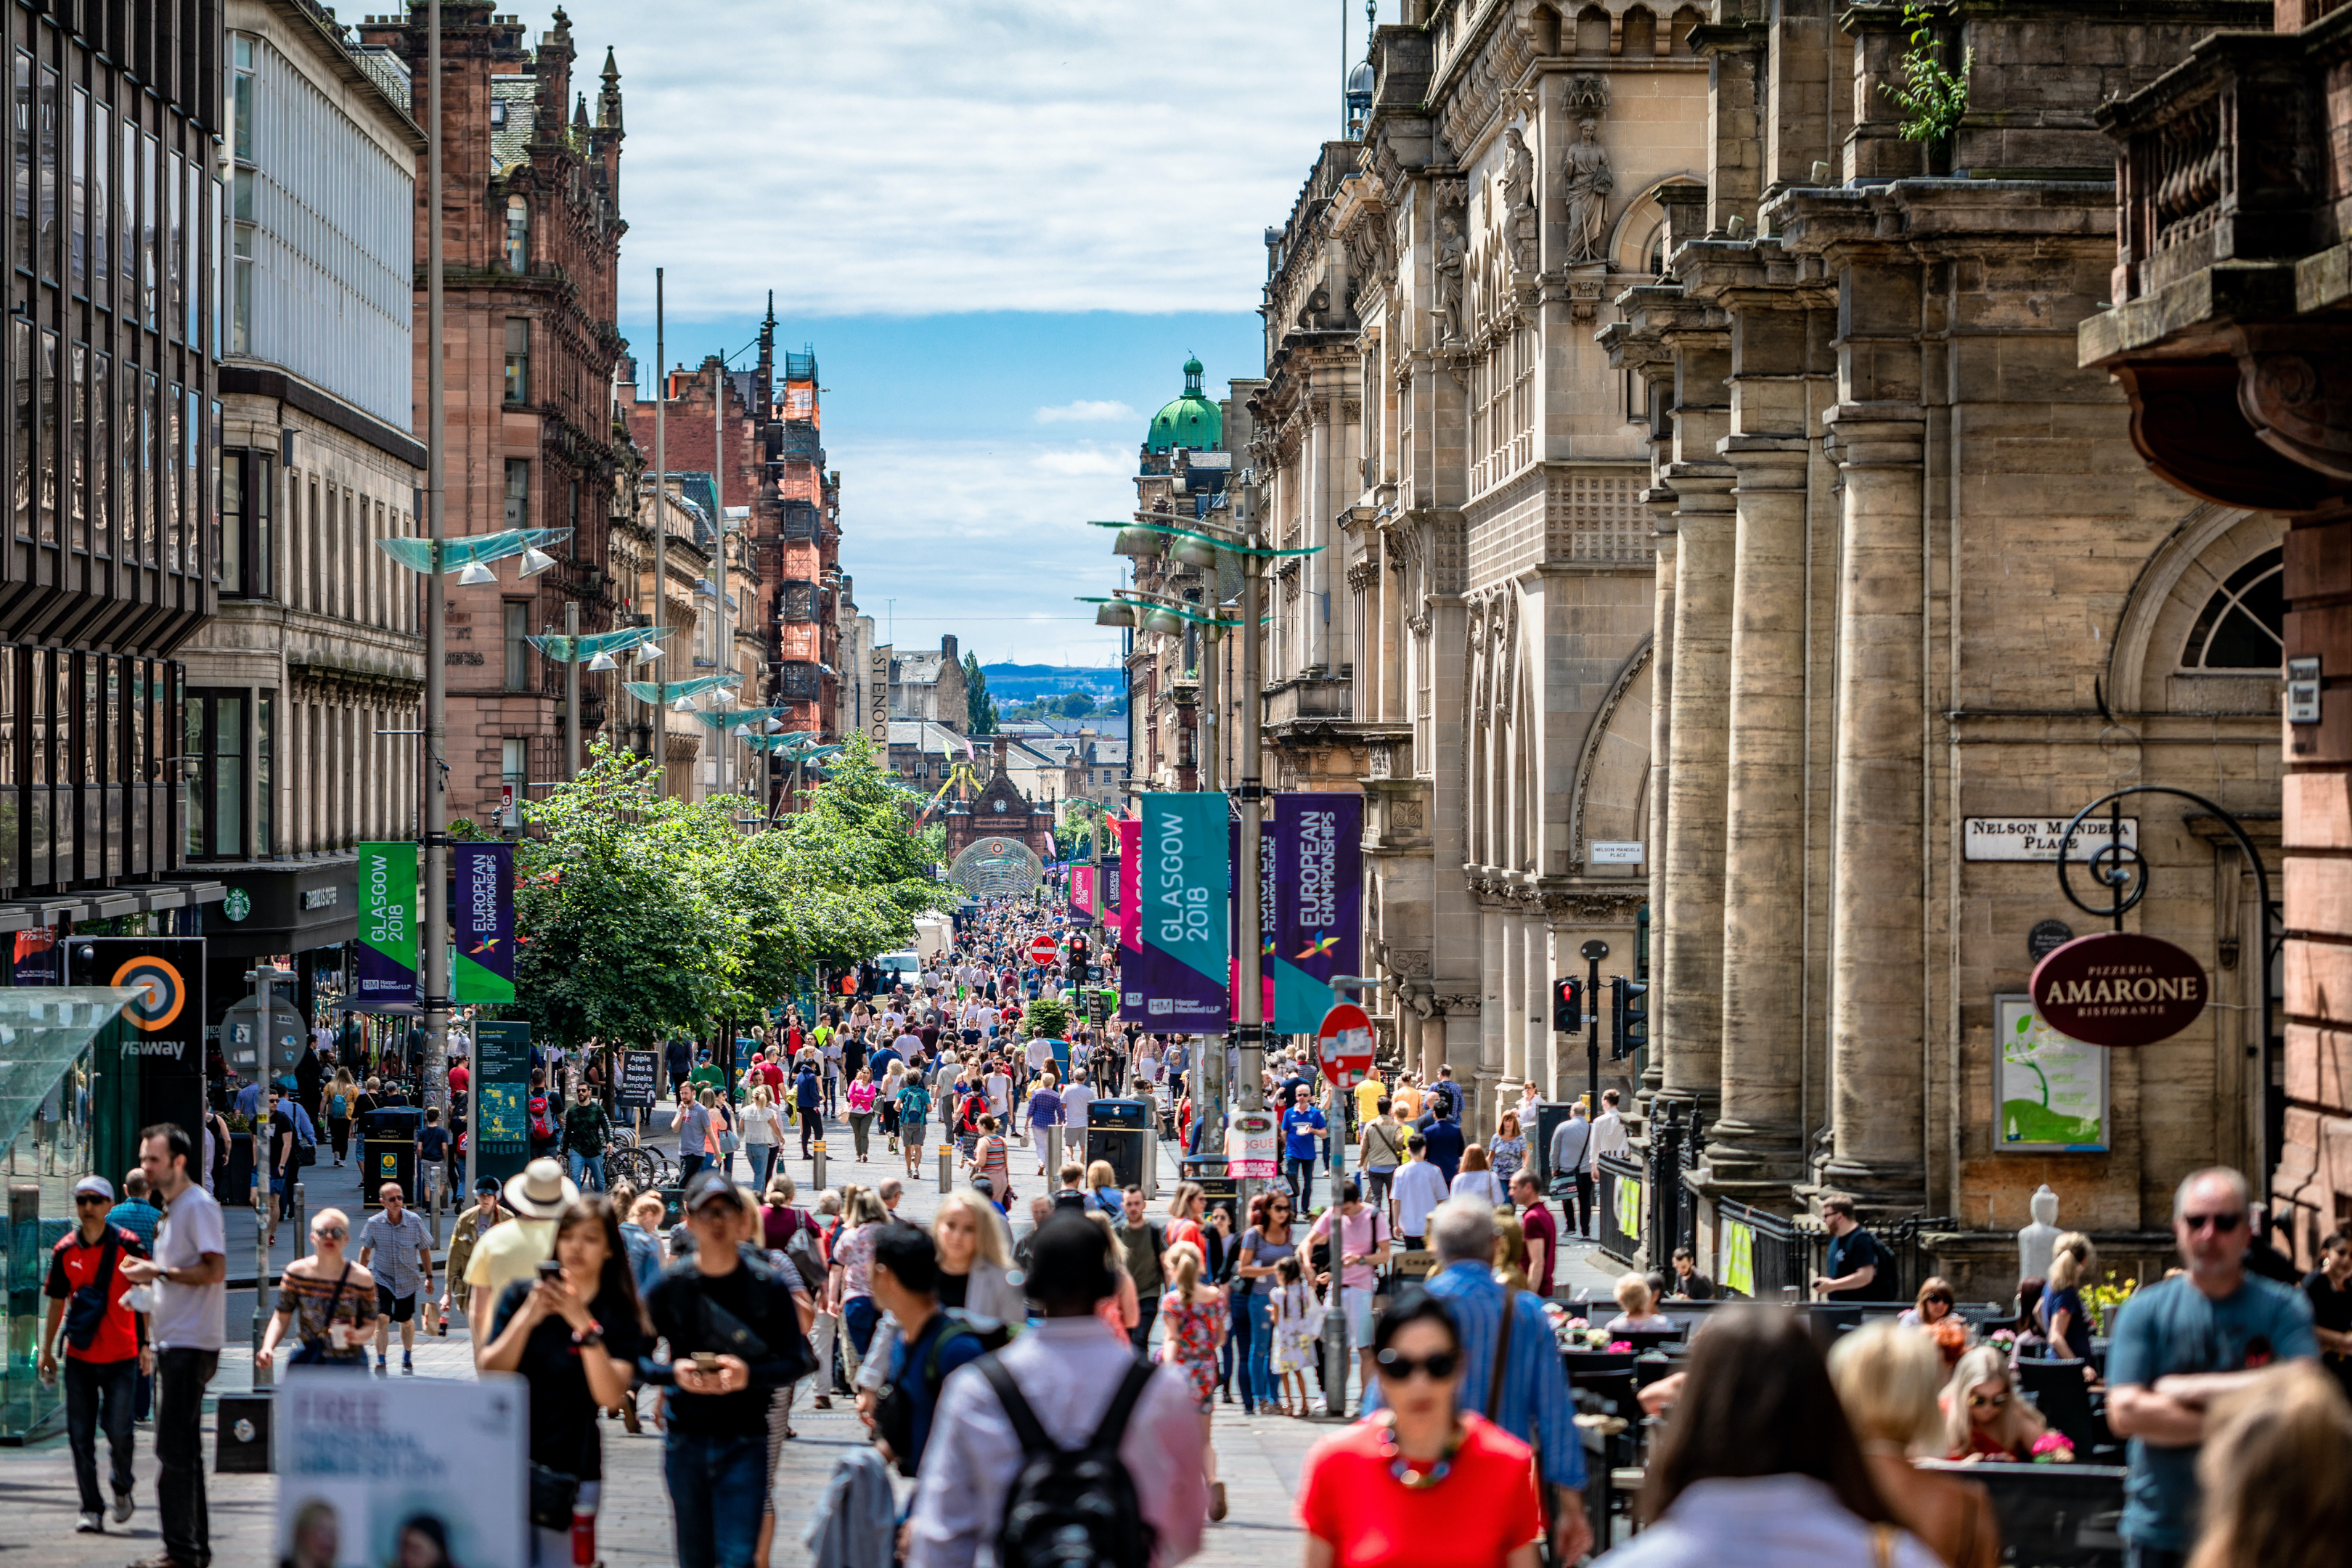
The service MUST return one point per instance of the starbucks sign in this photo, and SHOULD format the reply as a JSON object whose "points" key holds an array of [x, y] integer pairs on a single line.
{"points": [[237, 905]]}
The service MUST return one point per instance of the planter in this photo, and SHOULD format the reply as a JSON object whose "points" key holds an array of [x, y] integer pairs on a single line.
{"points": [[236, 1187]]}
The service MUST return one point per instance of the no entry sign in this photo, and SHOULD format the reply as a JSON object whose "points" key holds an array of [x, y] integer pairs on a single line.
{"points": [[2120, 988], [1344, 1044], [1042, 950]]}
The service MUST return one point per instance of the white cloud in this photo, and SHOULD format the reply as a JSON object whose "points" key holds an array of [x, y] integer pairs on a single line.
{"points": [[914, 156], [1088, 411], [1087, 461]]}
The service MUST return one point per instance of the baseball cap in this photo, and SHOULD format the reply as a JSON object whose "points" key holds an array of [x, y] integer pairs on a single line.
{"points": [[95, 1186], [486, 1184], [706, 1185]]}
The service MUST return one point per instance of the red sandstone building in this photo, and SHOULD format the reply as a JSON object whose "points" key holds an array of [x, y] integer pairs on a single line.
{"points": [[531, 238]]}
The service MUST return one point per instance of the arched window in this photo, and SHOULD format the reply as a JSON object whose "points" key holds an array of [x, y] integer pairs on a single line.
{"points": [[518, 234], [2243, 625]]}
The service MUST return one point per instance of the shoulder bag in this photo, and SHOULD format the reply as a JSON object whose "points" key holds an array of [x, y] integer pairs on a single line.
{"points": [[320, 1355], [86, 1310]]}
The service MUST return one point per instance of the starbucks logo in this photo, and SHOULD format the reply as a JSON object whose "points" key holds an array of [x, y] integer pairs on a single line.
{"points": [[237, 905]]}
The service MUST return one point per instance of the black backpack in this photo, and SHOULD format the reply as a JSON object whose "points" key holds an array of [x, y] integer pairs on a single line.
{"points": [[1071, 1508]]}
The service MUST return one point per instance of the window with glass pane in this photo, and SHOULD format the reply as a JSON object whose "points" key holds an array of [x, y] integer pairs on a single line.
{"points": [[518, 360], [151, 459], [241, 95], [101, 200], [23, 206], [232, 505], [79, 268], [517, 625], [170, 499], [48, 112], [265, 800], [48, 498], [101, 454], [11, 774], [243, 238], [150, 190], [213, 800], [518, 492], [514, 763], [20, 344], [518, 234]]}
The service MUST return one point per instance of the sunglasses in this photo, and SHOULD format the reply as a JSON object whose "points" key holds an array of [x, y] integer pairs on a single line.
{"points": [[1440, 1366], [2223, 1223], [1987, 1401], [329, 1232], [88, 1198]]}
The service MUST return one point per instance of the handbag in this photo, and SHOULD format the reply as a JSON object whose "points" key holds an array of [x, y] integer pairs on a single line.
{"points": [[552, 1495], [318, 1354]]}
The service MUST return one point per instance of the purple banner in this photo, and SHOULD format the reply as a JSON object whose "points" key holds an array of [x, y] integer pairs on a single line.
{"points": [[484, 971], [1319, 903]]}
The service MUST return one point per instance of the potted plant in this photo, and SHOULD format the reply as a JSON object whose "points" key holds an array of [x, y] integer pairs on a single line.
{"points": [[239, 1180]]}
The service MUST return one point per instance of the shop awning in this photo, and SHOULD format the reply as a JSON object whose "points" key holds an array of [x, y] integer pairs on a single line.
{"points": [[42, 1029]]}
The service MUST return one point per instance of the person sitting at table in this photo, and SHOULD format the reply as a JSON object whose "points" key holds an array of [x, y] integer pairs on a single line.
{"points": [[1934, 1304], [1886, 1378], [1640, 1304], [1985, 1416]]}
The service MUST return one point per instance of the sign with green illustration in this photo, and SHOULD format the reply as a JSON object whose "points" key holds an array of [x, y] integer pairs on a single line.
{"points": [[503, 1076], [2050, 1092]]}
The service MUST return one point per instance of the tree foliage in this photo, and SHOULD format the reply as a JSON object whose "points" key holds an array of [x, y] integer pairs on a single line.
{"points": [[980, 708], [1933, 99], [640, 917]]}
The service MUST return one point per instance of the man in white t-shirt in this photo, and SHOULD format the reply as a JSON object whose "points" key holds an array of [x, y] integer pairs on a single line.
{"points": [[1416, 1191], [1076, 1099], [189, 1268], [1609, 1135], [1038, 1053], [999, 1086]]}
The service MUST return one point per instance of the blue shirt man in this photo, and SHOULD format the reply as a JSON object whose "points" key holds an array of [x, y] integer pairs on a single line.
{"points": [[138, 1216], [1302, 1127], [248, 1098], [807, 1093], [2180, 1343], [1444, 1137]]}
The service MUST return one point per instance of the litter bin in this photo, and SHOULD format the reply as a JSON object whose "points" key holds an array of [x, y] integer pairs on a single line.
{"points": [[388, 1152], [1125, 1132]]}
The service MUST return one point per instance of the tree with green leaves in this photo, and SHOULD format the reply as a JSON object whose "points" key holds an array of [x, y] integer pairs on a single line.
{"points": [[979, 706]]}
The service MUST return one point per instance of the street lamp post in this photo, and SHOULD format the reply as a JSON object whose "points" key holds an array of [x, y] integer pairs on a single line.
{"points": [[661, 531], [436, 825]]}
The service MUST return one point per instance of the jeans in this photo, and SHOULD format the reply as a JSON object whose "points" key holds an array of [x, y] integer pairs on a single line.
{"points": [[586, 1165], [1259, 1315], [1234, 1356], [1147, 1313], [180, 1379], [861, 1128], [812, 1128], [1376, 1187], [859, 1316], [99, 1394], [1581, 1224], [715, 1486], [761, 1157], [687, 1165], [1300, 1174]]}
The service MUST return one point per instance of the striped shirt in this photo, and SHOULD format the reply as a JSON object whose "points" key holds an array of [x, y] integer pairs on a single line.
{"points": [[1536, 1407]]}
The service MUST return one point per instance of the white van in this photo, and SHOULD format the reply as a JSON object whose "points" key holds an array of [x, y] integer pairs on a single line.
{"points": [[902, 967]]}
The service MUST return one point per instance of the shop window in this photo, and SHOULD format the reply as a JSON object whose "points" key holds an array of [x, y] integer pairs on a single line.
{"points": [[518, 492], [518, 246], [514, 627], [518, 359]]}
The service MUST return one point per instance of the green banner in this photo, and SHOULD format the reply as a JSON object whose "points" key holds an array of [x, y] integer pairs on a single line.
{"points": [[387, 924]]}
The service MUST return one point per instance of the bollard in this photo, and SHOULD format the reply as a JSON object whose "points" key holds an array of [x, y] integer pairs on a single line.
{"points": [[300, 1219], [947, 1167], [1052, 1159], [433, 1214], [262, 1198], [817, 1170]]}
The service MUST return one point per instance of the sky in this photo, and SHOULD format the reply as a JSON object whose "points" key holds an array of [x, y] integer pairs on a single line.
{"points": [[1002, 228]]}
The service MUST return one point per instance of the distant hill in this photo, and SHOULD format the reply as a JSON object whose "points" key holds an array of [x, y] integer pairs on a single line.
{"points": [[1011, 683]]}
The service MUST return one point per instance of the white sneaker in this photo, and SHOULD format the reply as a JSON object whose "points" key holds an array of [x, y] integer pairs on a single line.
{"points": [[122, 1506], [90, 1524]]}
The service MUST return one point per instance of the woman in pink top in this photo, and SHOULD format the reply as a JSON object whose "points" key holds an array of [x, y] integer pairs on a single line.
{"points": [[861, 1112]]}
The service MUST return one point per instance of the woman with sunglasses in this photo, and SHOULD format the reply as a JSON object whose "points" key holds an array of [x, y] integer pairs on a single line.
{"points": [[1421, 1481], [328, 1299], [1265, 1243], [1985, 1415]]}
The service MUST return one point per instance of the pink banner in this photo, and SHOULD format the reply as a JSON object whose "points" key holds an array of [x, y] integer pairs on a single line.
{"points": [[1130, 917], [1082, 891]]}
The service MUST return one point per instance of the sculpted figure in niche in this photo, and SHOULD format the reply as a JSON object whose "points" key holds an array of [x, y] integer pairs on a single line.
{"points": [[1587, 181], [1519, 202], [1448, 310]]}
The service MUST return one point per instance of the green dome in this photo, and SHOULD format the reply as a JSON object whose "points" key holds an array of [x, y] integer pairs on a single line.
{"points": [[1192, 421]]}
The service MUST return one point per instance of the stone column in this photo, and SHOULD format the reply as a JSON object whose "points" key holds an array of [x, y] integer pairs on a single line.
{"points": [[1690, 975], [1662, 694], [1758, 1136], [1535, 1005], [1877, 1036], [1492, 1014], [1465, 1024], [1512, 1024]]}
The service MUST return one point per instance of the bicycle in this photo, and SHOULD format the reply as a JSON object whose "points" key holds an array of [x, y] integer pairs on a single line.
{"points": [[644, 1168]]}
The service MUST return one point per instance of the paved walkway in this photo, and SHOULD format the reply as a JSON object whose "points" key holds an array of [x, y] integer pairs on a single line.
{"points": [[1259, 1457]]}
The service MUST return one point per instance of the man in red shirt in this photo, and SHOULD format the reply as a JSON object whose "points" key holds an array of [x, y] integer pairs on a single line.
{"points": [[458, 1077], [102, 1363], [1541, 1230]]}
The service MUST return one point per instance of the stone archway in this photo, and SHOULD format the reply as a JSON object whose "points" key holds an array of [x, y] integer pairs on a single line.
{"points": [[996, 865]]}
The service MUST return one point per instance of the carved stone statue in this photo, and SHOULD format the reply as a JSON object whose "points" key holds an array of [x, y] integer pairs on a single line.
{"points": [[2036, 1241], [1519, 202], [1586, 180], [1448, 267]]}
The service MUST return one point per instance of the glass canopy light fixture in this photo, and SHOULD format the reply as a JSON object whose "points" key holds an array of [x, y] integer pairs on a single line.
{"points": [[1144, 543], [602, 661], [650, 652], [475, 576], [683, 705], [1196, 552], [1115, 615], [534, 562], [1162, 621]]}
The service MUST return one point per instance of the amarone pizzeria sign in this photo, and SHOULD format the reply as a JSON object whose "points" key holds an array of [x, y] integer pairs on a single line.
{"points": [[2120, 988]]}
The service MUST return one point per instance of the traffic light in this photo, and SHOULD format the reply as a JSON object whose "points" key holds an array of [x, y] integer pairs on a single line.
{"points": [[1567, 1006], [1629, 1004]]}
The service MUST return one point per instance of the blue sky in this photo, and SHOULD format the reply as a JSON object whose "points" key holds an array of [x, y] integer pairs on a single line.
{"points": [[1002, 228]]}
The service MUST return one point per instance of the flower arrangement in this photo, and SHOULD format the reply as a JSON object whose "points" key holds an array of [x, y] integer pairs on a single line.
{"points": [[2101, 1300], [2054, 1447], [1618, 1347], [2005, 1338], [1951, 1337]]}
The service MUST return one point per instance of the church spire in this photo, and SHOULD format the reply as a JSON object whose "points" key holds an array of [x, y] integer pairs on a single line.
{"points": [[608, 102]]}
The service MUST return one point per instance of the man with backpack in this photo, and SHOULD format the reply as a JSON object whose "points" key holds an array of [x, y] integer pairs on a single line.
{"points": [[544, 1128], [105, 1345], [931, 1343], [1065, 1435]]}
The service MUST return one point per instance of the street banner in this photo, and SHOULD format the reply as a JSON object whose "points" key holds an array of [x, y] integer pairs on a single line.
{"points": [[1130, 909], [634, 1086], [1184, 878], [502, 1078], [1082, 892], [1318, 900], [428, 1471], [483, 970], [387, 944]]}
